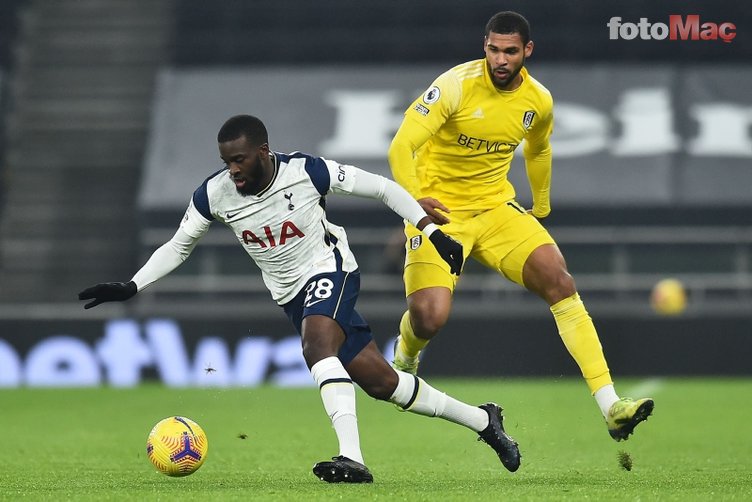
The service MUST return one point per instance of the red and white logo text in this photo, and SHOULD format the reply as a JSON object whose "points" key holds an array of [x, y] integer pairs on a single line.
{"points": [[685, 28]]}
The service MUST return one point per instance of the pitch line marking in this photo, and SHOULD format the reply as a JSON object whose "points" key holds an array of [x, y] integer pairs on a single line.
{"points": [[647, 387]]}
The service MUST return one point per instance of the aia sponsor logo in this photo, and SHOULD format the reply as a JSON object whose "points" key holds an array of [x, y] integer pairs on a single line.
{"points": [[686, 28], [286, 232]]}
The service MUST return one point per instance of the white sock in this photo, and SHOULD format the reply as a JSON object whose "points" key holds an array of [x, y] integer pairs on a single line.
{"points": [[605, 397], [415, 395], [338, 395]]}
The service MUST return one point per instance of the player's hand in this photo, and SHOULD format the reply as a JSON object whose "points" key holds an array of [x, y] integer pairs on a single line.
{"points": [[108, 292], [432, 207], [449, 249]]}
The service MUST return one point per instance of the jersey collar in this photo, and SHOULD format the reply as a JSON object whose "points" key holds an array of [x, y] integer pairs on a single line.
{"points": [[275, 160]]}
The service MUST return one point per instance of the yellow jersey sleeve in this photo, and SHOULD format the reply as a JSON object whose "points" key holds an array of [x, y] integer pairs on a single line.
{"points": [[537, 152], [419, 125]]}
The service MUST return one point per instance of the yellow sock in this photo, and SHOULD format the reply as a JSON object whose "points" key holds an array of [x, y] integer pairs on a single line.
{"points": [[410, 345], [578, 333]]}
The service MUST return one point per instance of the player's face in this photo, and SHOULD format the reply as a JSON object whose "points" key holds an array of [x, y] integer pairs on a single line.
{"points": [[505, 56], [250, 167]]}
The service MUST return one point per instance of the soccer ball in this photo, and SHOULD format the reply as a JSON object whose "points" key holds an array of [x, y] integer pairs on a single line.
{"points": [[668, 297], [177, 446]]}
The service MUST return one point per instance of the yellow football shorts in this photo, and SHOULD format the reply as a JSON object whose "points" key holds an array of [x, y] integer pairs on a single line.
{"points": [[501, 239]]}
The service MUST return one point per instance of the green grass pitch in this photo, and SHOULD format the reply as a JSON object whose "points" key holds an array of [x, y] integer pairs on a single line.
{"points": [[89, 444]]}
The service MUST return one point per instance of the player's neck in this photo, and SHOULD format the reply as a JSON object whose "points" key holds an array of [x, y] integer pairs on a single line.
{"points": [[270, 173]]}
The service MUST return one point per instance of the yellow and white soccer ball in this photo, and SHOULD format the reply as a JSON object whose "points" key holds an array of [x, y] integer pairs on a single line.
{"points": [[668, 297], [177, 446]]}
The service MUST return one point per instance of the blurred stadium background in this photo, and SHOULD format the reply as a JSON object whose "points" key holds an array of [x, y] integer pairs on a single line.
{"points": [[109, 116]]}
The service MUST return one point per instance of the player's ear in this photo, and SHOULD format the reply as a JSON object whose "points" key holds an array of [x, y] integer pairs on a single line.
{"points": [[529, 49]]}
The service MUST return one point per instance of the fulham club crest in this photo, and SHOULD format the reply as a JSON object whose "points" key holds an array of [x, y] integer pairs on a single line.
{"points": [[415, 242], [527, 119]]}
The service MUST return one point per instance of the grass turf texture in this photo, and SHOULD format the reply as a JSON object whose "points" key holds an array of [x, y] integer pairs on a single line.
{"points": [[89, 444]]}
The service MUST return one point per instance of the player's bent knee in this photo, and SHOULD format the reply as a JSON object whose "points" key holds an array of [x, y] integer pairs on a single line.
{"points": [[559, 287], [564, 284], [427, 319], [381, 388], [314, 351], [429, 310]]}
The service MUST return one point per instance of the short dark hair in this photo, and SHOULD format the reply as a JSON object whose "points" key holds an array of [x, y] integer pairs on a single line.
{"points": [[243, 125], [508, 22]]}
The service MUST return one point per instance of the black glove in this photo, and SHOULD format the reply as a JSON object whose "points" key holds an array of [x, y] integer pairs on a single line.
{"points": [[449, 249], [108, 292]]}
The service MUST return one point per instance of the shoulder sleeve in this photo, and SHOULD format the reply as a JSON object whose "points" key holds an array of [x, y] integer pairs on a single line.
{"points": [[425, 116], [437, 103], [319, 172], [538, 137], [200, 201], [342, 176], [194, 223]]}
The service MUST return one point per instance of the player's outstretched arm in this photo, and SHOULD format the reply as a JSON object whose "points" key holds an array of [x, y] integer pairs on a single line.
{"points": [[108, 292], [401, 202], [163, 261]]}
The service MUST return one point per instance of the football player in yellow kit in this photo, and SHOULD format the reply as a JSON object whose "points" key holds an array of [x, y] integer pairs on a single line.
{"points": [[452, 152]]}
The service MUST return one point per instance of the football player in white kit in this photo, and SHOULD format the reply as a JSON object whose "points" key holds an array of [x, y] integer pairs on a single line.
{"points": [[273, 202]]}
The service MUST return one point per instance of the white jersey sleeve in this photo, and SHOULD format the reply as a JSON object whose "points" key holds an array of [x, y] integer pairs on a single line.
{"points": [[175, 251], [352, 180], [194, 223]]}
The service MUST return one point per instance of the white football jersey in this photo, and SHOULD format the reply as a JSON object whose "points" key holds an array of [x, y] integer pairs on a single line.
{"points": [[283, 228]]}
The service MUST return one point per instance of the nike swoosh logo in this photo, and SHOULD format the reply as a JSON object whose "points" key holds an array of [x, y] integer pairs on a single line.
{"points": [[311, 304], [231, 216]]}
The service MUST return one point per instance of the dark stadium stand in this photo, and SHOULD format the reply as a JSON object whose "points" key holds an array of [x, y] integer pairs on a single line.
{"points": [[284, 32], [9, 12], [78, 114]]}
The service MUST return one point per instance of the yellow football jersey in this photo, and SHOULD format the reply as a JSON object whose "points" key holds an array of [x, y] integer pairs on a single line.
{"points": [[457, 140]]}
